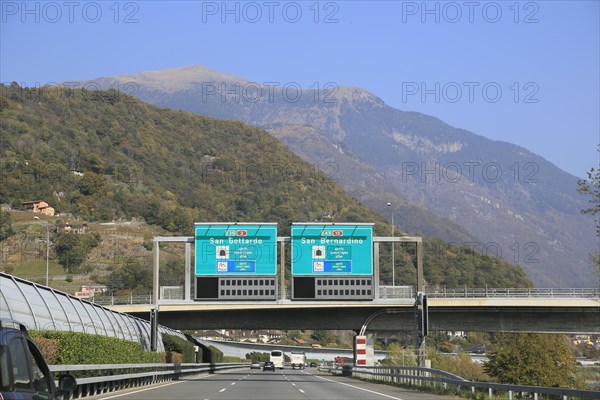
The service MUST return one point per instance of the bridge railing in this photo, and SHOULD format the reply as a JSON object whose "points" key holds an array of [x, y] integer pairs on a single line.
{"points": [[436, 379], [397, 292], [93, 380], [585, 293]]}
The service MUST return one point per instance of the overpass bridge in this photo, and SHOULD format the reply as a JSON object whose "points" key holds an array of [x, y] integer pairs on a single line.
{"points": [[477, 310]]}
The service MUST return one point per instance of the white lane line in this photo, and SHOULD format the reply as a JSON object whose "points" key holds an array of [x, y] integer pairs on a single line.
{"points": [[301, 391], [222, 390], [232, 383], [293, 384], [359, 388], [141, 390]]}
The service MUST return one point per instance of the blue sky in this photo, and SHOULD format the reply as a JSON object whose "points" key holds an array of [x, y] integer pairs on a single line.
{"points": [[522, 72]]}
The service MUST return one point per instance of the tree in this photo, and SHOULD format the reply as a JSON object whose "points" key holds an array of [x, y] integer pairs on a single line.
{"points": [[591, 188], [397, 355], [70, 252], [532, 359], [134, 275], [72, 249], [323, 336], [6, 229], [92, 183]]}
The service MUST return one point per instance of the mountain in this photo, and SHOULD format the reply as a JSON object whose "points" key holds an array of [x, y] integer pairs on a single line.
{"points": [[497, 197], [198, 89], [102, 155]]}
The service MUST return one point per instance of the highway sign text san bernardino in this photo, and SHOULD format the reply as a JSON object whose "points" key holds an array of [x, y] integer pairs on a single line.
{"points": [[332, 249], [235, 249]]}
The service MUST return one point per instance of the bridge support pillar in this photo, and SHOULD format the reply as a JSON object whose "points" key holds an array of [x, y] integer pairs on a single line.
{"points": [[154, 329]]}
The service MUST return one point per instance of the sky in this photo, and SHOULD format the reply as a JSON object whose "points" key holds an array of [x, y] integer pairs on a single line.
{"points": [[525, 72]]}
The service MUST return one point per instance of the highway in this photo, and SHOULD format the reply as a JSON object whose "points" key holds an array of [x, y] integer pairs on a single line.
{"points": [[287, 384]]}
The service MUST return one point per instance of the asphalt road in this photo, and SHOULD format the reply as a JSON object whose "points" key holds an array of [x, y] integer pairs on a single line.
{"points": [[246, 384]]}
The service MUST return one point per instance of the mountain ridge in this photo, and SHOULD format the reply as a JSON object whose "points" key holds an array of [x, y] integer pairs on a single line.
{"points": [[501, 194], [101, 156]]}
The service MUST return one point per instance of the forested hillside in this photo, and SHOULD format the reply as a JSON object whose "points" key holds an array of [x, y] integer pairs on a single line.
{"points": [[101, 155], [446, 182]]}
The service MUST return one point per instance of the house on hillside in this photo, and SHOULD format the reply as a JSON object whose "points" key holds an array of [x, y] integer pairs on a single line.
{"points": [[87, 292], [38, 206], [68, 228], [214, 335]]}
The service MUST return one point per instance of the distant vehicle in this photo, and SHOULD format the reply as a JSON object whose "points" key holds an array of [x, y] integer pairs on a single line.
{"points": [[255, 365], [269, 366], [277, 358], [298, 360], [24, 374], [313, 364]]}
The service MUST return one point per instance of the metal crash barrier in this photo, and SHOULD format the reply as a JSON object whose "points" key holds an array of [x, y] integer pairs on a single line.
{"points": [[438, 379], [93, 380]]}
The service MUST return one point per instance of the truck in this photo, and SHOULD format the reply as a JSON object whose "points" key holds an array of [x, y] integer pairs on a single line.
{"points": [[298, 359]]}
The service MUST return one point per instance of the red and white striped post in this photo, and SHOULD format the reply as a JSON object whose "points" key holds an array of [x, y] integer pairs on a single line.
{"points": [[360, 350]]}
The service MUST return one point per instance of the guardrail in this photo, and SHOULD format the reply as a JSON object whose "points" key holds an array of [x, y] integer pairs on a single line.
{"points": [[584, 293], [99, 379], [406, 292], [436, 379]]}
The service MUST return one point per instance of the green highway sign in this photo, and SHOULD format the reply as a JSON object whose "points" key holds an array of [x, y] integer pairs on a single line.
{"points": [[332, 249], [224, 249]]}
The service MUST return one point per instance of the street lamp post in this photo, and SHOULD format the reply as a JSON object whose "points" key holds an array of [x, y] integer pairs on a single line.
{"points": [[47, 246], [393, 263]]}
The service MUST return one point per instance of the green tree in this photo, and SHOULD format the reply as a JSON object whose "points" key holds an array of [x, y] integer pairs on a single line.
{"points": [[6, 229], [323, 336], [72, 249], [133, 276], [532, 359], [399, 356], [590, 187], [70, 252], [92, 183]]}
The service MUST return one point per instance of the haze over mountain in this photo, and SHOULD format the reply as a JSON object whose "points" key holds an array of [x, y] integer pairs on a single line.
{"points": [[515, 203]]}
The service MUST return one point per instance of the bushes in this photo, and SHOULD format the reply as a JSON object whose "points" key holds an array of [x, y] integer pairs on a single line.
{"points": [[256, 356], [170, 357], [211, 354], [49, 349], [83, 348], [179, 345]]}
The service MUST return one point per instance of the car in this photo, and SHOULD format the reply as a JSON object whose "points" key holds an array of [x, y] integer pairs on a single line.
{"points": [[24, 374], [269, 366], [255, 365], [313, 364]]}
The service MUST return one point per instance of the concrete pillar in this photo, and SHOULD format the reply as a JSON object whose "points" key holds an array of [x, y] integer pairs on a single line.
{"points": [[187, 286]]}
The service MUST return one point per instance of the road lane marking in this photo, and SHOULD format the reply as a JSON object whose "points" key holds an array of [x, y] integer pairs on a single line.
{"points": [[359, 388], [293, 384], [141, 390], [232, 383], [158, 387], [301, 391], [222, 390]]}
